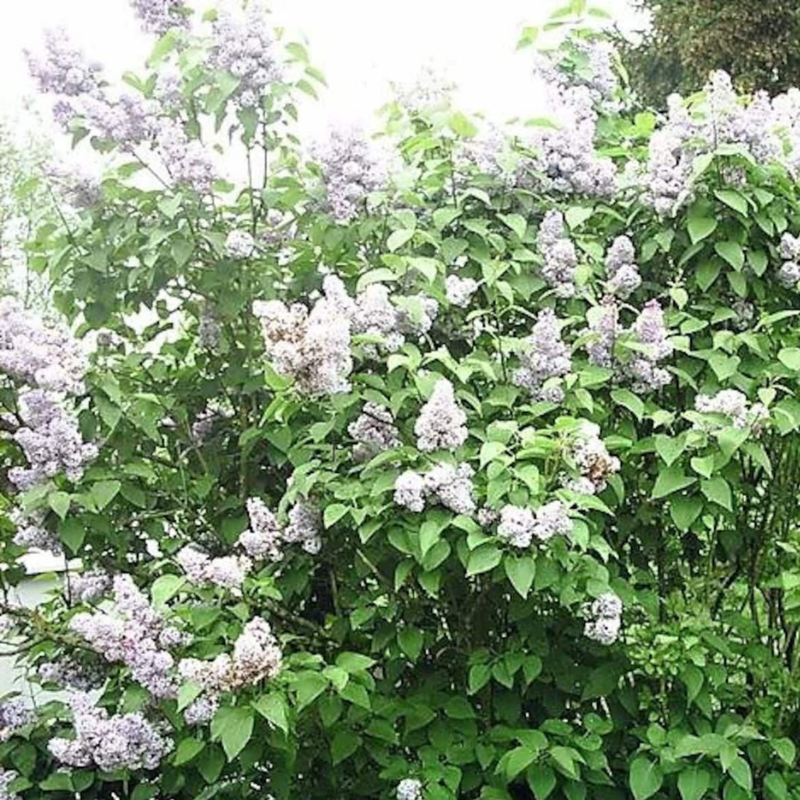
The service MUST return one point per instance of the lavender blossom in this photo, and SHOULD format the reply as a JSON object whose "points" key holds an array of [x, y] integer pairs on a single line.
{"points": [[14, 716], [460, 290], [623, 273], [735, 405], [227, 572], [409, 491], [32, 532], [64, 69], [560, 258], [650, 332], [409, 789], [239, 244], [188, 163], [124, 118], [304, 527], [544, 360], [595, 464], [7, 777], [202, 710], [90, 586], [264, 538], [160, 16], [374, 431]]}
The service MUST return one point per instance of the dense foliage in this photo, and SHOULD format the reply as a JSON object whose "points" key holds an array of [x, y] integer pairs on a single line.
{"points": [[686, 39], [459, 466]]}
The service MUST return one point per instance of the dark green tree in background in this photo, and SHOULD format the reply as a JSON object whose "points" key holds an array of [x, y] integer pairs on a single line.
{"points": [[757, 43]]}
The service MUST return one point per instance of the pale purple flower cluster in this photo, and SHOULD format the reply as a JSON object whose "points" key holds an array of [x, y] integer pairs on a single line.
{"points": [[266, 537], [374, 431], [227, 572], [446, 484], [202, 710], [623, 273], [240, 244], [592, 459], [168, 89], [789, 272], [90, 586], [188, 163], [560, 257], [124, 118], [209, 331], [605, 329], [204, 423], [650, 332], [459, 291], [519, 526], [544, 360], [489, 153], [442, 423], [77, 186], [7, 777], [256, 656], [409, 789], [123, 741], [71, 674], [313, 348], [416, 314], [159, 16], [14, 715], [134, 633], [50, 439], [64, 69], [349, 172], [32, 532], [243, 45], [735, 405], [38, 353], [605, 619]]}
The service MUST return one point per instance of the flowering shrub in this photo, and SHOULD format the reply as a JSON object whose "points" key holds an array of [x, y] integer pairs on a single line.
{"points": [[459, 467]]}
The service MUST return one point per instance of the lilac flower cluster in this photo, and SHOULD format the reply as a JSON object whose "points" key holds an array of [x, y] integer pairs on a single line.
{"points": [[41, 354], [50, 439], [14, 715], [124, 118], [32, 532], [519, 526], [560, 257], [209, 331], [409, 789], [124, 741], [71, 674], [159, 16], [442, 423], [416, 314], [134, 633], [64, 69], [7, 777], [544, 360], [90, 586], [188, 163], [77, 186], [789, 272], [266, 537], [446, 484], [592, 459], [651, 334], [205, 422], [374, 431], [240, 244], [735, 405], [227, 572], [243, 45], [605, 619], [488, 153], [256, 656], [201, 711], [459, 291], [349, 172], [169, 87], [313, 348], [623, 273]]}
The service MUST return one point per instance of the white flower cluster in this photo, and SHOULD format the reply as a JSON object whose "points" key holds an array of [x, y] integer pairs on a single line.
{"points": [[735, 405], [592, 459], [265, 537], [446, 484], [134, 633], [409, 789], [256, 657], [50, 439], [244, 46], [459, 291], [124, 741], [313, 348], [789, 272], [209, 331], [605, 619], [201, 569], [240, 244], [623, 273], [7, 777], [544, 360], [560, 257], [374, 431], [349, 170], [519, 525], [14, 715], [442, 423]]}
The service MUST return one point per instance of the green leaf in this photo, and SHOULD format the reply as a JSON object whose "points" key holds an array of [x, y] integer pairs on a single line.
{"points": [[333, 513], [479, 676], [542, 780], [104, 492], [187, 749], [700, 228], [670, 447], [459, 708], [645, 778], [410, 641], [733, 199], [693, 783], [732, 253], [483, 558], [398, 238], [164, 588], [718, 491], [790, 357], [707, 272], [59, 502], [516, 222], [520, 572], [442, 217], [354, 662], [517, 760], [273, 708], [308, 686], [739, 770], [669, 480], [627, 399], [785, 749], [685, 510], [344, 744], [775, 787], [575, 216], [233, 727]]}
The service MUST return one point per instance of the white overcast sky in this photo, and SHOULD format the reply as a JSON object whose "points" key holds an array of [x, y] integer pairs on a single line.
{"points": [[360, 45]]}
